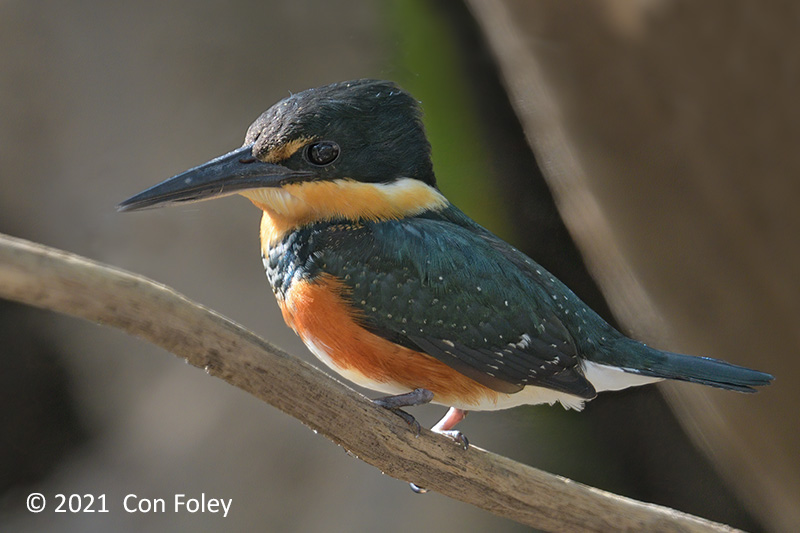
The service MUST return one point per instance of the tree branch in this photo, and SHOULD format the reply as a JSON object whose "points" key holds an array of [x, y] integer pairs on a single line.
{"points": [[59, 281]]}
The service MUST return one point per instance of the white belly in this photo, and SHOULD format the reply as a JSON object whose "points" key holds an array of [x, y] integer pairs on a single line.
{"points": [[602, 377]]}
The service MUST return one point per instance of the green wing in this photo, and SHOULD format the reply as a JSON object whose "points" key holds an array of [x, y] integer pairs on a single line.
{"points": [[460, 295]]}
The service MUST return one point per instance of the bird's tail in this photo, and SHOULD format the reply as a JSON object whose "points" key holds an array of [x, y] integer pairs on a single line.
{"points": [[638, 358]]}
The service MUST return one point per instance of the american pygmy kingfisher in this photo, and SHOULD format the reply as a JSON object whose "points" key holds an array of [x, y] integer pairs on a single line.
{"points": [[396, 289]]}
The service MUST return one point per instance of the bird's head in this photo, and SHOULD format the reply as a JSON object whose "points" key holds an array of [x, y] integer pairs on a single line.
{"points": [[350, 150]]}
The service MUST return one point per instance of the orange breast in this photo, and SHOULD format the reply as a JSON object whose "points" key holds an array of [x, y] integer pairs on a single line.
{"points": [[318, 311]]}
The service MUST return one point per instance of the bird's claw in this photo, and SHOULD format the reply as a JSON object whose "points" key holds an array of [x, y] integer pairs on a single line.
{"points": [[394, 403], [409, 419], [457, 436], [417, 489]]}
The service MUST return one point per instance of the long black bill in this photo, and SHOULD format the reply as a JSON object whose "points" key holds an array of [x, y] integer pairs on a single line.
{"points": [[227, 174]]}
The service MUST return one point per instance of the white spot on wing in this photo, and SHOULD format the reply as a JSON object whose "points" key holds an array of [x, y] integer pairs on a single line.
{"points": [[524, 342]]}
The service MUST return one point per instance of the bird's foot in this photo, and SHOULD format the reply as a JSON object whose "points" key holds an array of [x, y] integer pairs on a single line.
{"points": [[445, 426], [456, 435], [417, 489], [409, 399], [408, 418]]}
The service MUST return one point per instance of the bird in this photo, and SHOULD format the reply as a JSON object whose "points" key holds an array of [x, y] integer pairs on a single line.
{"points": [[394, 288]]}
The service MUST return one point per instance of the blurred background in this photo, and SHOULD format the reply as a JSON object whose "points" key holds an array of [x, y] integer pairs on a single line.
{"points": [[665, 195]]}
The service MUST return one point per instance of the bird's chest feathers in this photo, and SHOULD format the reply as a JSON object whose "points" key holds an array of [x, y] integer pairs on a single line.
{"points": [[289, 259], [294, 214]]}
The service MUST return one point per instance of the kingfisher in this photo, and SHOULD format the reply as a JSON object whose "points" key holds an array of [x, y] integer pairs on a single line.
{"points": [[396, 289]]}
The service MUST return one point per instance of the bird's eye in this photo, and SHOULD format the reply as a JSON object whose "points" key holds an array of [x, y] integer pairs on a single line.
{"points": [[322, 153]]}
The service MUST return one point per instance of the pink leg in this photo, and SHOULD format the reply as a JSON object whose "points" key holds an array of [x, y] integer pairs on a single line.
{"points": [[453, 417]]}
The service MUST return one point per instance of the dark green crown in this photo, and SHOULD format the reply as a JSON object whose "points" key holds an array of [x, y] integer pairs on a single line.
{"points": [[375, 125]]}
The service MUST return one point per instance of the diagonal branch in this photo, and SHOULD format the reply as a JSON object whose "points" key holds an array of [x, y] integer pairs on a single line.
{"points": [[55, 280]]}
